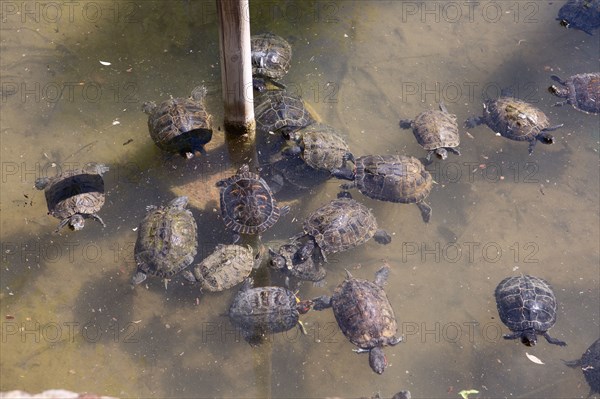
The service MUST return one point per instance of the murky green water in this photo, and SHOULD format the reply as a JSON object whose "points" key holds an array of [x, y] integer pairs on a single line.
{"points": [[69, 318]]}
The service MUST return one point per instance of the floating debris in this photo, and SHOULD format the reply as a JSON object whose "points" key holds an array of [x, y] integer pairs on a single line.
{"points": [[534, 359]]}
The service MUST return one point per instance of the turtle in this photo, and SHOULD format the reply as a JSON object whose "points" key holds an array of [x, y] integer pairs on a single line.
{"points": [[320, 146], [226, 267], [271, 58], [340, 225], [180, 125], [582, 91], [527, 306], [365, 315], [436, 131], [583, 15], [298, 260], [167, 241], [265, 310], [74, 195], [392, 178], [247, 203], [296, 172], [516, 120], [279, 111], [590, 365]]}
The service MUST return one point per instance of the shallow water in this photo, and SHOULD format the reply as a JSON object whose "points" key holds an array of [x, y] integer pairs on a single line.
{"points": [[69, 317]]}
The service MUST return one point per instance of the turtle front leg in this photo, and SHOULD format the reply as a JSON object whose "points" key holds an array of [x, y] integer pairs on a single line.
{"points": [[322, 302], [454, 150], [62, 224], [425, 211], [554, 340], [98, 218], [514, 335]]}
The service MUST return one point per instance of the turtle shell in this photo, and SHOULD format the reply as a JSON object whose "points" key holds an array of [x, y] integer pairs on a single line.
{"points": [[247, 203], [393, 178], [514, 119], [226, 267], [340, 225], [303, 265], [435, 129], [271, 55], [526, 302], [323, 147], [280, 111], [583, 15], [79, 191], [364, 313], [263, 310], [180, 125], [167, 241], [581, 91]]}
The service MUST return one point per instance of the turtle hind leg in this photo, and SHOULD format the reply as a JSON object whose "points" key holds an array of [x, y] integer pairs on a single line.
{"points": [[98, 219], [454, 150], [382, 237], [425, 211], [473, 121], [554, 341]]}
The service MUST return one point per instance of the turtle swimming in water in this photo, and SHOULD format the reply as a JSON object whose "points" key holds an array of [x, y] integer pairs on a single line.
{"points": [[582, 91], [298, 260], [365, 315], [271, 58], [590, 365], [583, 15]]}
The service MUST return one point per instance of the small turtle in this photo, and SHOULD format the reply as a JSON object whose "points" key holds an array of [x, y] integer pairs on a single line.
{"points": [[583, 15], [515, 120], [436, 131], [167, 241], [227, 266], [393, 178], [180, 125], [365, 315], [527, 306], [271, 58], [296, 172], [590, 365], [320, 146], [75, 195], [340, 225], [581, 91], [278, 111], [298, 260], [265, 310], [247, 203]]}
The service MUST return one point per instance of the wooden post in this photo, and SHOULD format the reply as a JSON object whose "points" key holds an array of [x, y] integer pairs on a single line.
{"points": [[236, 67]]}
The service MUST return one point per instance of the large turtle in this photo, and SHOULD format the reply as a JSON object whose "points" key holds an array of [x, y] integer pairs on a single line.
{"points": [[580, 14], [271, 58], [167, 241], [527, 306], [226, 267], [516, 120], [340, 225], [247, 203], [590, 365], [180, 125], [265, 310], [436, 131], [298, 260], [393, 178], [278, 111], [365, 315], [75, 195], [581, 91], [320, 146]]}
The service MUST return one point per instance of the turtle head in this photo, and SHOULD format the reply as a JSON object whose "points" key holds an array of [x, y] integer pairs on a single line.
{"points": [[277, 261], [303, 306], [76, 222], [441, 153], [148, 107], [377, 360], [546, 138], [558, 91], [529, 338]]}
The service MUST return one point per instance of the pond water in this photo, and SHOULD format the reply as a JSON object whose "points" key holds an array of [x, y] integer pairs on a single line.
{"points": [[69, 317]]}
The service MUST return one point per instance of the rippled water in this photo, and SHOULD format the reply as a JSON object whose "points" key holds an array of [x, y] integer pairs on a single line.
{"points": [[69, 318]]}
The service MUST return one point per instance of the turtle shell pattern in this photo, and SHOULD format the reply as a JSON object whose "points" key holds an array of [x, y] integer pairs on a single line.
{"points": [[177, 123], [514, 119], [340, 225], [582, 92], [167, 241], [394, 178], [526, 302], [226, 267], [271, 55], [323, 147], [435, 129], [280, 111], [247, 203], [364, 313], [79, 191]]}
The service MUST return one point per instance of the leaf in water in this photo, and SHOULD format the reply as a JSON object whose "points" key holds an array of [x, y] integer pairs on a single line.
{"points": [[105, 63], [533, 358], [465, 393]]}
